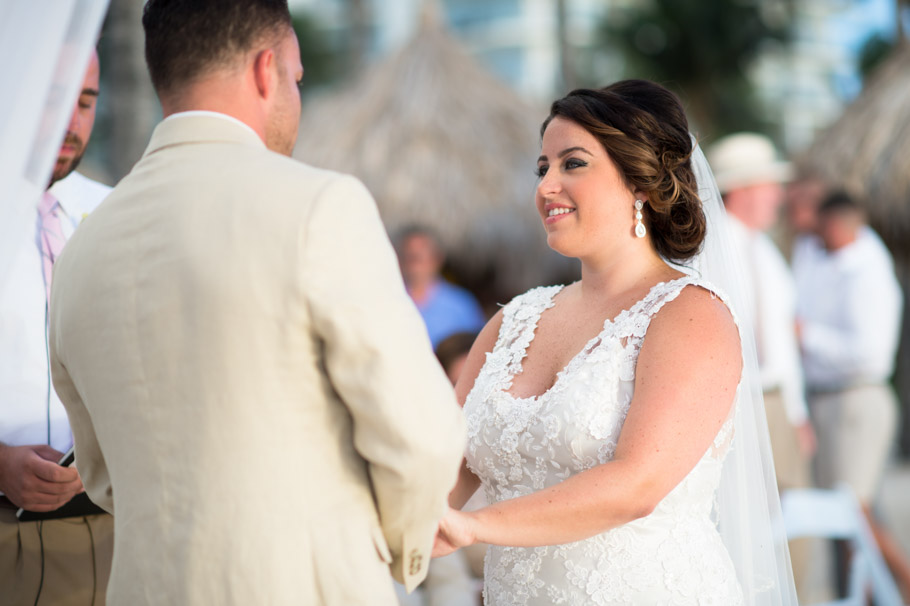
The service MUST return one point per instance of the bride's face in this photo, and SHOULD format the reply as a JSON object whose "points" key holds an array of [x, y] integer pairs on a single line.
{"points": [[586, 207]]}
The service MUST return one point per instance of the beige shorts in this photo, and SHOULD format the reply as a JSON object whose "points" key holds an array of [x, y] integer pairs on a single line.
{"points": [[856, 428]]}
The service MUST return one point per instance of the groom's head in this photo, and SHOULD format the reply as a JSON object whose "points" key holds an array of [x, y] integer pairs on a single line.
{"points": [[238, 57]]}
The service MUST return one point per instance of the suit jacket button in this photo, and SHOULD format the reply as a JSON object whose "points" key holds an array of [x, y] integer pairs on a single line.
{"points": [[416, 560]]}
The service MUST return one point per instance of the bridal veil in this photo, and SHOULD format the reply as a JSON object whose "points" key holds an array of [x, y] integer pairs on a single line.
{"points": [[45, 48], [748, 505]]}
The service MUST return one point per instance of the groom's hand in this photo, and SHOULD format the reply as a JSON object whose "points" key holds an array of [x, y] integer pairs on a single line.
{"points": [[31, 478]]}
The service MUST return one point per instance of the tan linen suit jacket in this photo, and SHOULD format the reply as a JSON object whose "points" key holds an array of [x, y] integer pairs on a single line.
{"points": [[252, 392]]}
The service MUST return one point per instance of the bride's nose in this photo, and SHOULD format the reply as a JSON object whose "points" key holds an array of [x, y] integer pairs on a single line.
{"points": [[549, 185]]}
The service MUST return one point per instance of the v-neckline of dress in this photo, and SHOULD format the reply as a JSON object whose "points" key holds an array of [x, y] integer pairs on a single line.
{"points": [[589, 346]]}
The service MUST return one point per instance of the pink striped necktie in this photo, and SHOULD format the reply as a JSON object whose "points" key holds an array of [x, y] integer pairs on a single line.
{"points": [[51, 234]]}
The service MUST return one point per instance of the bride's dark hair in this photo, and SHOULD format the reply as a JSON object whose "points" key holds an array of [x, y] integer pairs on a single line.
{"points": [[643, 128]]}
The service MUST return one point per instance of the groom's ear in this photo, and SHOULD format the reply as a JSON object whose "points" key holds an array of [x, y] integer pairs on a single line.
{"points": [[264, 70]]}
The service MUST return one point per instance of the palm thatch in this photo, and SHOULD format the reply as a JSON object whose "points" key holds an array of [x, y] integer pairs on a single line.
{"points": [[867, 151], [442, 143]]}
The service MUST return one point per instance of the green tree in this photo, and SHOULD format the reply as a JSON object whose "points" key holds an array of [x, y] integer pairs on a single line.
{"points": [[323, 63], [702, 50], [874, 50]]}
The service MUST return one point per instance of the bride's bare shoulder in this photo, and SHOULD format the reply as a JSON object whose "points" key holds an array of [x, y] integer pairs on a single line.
{"points": [[698, 307], [697, 327]]}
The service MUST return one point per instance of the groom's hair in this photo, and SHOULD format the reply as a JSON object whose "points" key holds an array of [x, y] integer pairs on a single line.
{"points": [[186, 38]]}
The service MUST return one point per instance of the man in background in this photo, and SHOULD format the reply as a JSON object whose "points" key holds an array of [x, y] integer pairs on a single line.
{"points": [[251, 391], [750, 178], [849, 310], [58, 561]]}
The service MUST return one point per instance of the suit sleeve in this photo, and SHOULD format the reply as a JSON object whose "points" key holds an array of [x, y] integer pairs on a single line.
{"points": [[407, 424], [89, 460]]}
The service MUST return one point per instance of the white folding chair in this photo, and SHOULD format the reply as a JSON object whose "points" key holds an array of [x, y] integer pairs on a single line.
{"points": [[836, 514]]}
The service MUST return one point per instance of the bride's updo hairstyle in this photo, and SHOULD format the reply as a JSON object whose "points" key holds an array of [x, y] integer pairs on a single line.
{"points": [[644, 130]]}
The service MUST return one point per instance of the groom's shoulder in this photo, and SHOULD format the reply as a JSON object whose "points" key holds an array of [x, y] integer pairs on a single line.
{"points": [[281, 172]]}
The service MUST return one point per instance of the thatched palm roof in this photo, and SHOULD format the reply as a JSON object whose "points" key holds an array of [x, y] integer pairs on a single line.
{"points": [[441, 142], [867, 151]]}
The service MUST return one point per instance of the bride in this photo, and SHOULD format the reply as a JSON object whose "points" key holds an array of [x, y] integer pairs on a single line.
{"points": [[610, 422]]}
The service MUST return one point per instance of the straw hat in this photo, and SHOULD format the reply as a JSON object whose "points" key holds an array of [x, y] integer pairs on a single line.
{"points": [[746, 159]]}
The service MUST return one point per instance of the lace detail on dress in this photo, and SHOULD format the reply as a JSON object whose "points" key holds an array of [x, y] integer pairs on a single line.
{"points": [[520, 445]]}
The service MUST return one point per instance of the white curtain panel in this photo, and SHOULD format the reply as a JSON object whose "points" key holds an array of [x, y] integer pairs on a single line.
{"points": [[45, 46]]}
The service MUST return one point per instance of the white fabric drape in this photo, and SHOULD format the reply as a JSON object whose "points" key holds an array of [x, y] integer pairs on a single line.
{"points": [[748, 505], [44, 50]]}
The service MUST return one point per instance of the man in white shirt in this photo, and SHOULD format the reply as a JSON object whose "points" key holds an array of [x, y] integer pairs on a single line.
{"points": [[849, 312], [750, 176], [63, 561]]}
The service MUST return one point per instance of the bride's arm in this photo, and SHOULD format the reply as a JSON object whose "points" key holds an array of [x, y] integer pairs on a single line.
{"points": [[687, 374], [467, 482]]}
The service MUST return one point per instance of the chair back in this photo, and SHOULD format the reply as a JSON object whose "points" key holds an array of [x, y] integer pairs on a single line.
{"points": [[836, 514]]}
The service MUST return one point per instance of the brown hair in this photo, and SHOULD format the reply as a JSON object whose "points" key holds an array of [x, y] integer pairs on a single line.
{"points": [[644, 130], [186, 38], [453, 347]]}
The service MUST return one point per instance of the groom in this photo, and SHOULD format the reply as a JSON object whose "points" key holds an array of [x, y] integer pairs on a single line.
{"points": [[251, 392]]}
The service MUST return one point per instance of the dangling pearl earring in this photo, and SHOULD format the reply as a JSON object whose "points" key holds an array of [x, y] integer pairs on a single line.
{"points": [[640, 230]]}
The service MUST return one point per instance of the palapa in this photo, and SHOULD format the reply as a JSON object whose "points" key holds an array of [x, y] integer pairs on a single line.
{"points": [[440, 142], [867, 151]]}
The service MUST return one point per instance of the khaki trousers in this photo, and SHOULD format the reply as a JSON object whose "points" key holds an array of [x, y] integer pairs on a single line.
{"points": [[856, 428], [65, 562], [793, 470]]}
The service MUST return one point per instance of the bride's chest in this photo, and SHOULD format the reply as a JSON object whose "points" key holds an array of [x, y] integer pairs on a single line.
{"points": [[555, 344], [572, 426]]}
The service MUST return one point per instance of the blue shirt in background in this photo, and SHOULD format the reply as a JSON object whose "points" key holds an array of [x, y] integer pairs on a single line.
{"points": [[450, 309]]}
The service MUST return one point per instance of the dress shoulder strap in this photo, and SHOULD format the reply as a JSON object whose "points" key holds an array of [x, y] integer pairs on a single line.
{"points": [[520, 316], [637, 322]]}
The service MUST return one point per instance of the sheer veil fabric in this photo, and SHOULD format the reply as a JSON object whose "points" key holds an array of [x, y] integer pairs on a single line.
{"points": [[45, 48], [748, 505]]}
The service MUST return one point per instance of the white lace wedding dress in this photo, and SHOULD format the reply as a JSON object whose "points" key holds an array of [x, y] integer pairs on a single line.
{"points": [[516, 446]]}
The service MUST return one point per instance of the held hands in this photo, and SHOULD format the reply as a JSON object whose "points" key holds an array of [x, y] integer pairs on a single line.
{"points": [[31, 478], [456, 530]]}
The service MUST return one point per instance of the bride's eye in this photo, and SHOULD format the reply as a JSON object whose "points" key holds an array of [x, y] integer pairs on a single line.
{"points": [[575, 163], [541, 170]]}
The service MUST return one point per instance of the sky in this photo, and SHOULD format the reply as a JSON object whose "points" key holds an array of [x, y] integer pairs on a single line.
{"points": [[865, 17], [849, 26], [854, 25]]}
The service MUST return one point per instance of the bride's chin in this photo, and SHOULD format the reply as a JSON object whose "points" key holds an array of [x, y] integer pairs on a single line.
{"points": [[559, 244]]}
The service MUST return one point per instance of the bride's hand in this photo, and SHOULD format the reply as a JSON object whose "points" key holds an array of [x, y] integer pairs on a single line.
{"points": [[456, 530]]}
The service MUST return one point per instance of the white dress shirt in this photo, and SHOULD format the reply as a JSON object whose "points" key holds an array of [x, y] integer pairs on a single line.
{"points": [[850, 307], [30, 412], [771, 299]]}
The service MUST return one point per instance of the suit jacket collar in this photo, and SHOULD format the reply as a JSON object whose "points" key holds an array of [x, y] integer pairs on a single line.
{"points": [[206, 127]]}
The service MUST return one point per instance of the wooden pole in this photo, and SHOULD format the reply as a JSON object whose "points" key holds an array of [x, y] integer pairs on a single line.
{"points": [[566, 65], [130, 97], [901, 6]]}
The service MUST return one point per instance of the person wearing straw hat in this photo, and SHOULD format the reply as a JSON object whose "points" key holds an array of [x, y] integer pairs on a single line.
{"points": [[750, 177]]}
